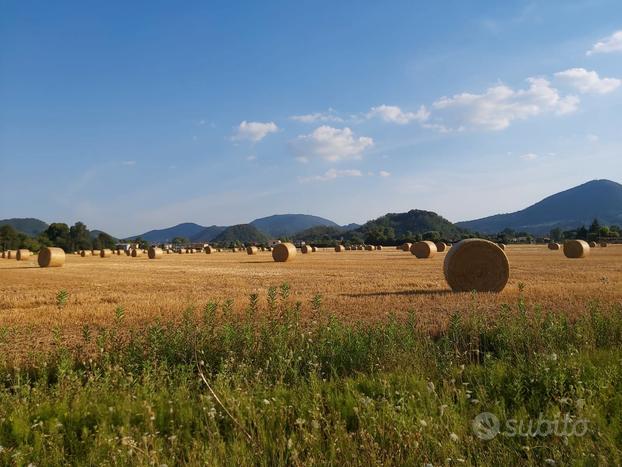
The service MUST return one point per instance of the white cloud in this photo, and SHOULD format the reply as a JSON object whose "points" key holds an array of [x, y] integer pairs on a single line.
{"points": [[393, 114], [128, 163], [317, 117], [384, 173], [255, 131], [500, 105], [331, 144], [613, 43], [332, 174], [588, 81], [530, 156]]}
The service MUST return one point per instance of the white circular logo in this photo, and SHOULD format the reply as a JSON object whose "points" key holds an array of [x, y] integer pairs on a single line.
{"points": [[486, 426]]}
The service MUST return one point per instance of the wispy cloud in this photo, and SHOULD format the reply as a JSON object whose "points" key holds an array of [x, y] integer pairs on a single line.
{"points": [[331, 144], [394, 114], [588, 81], [254, 131], [500, 105], [332, 174], [530, 156], [612, 43], [322, 117], [384, 173], [128, 163]]}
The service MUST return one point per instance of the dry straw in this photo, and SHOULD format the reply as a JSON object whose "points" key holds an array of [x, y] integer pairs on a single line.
{"points": [[554, 246], [476, 264], [339, 248], [105, 253], [425, 249], [23, 255], [306, 249], [51, 257], [154, 252], [252, 250], [576, 249], [501, 245], [441, 246], [283, 252], [406, 246]]}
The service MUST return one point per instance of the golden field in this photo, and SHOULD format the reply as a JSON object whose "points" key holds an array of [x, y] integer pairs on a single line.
{"points": [[356, 285]]}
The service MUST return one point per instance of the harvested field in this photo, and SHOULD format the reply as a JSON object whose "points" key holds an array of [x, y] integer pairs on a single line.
{"points": [[355, 285]]}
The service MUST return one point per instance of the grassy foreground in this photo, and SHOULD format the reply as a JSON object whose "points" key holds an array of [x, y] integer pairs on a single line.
{"points": [[269, 389]]}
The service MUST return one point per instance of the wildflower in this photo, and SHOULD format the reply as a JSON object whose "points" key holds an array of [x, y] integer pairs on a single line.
{"points": [[423, 423], [454, 437]]}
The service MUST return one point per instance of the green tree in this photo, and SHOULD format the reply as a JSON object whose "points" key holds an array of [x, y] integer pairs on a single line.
{"points": [[58, 235], [432, 235], [9, 238], [80, 237], [556, 234], [595, 226], [177, 241]]}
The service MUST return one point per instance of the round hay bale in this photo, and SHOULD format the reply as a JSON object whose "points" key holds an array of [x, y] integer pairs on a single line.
{"points": [[554, 246], [154, 252], [476, 264], [105, 253], [603, 244], [3, 254], [50, 257], [314, 249], [136, 252], [269, 248], [251, 250], [11, 254], [576, 249], [209, 250], [306, 249], [283, 252], [370, 248], [339, 248], [501, 245], [379, 247], [440, 246], [95, 252], [406, 246], [84, 253], [592, 244], [22, 254], [425, 249]]}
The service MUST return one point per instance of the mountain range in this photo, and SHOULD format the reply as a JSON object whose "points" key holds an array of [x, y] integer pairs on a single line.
{"points": [[569, 209]]}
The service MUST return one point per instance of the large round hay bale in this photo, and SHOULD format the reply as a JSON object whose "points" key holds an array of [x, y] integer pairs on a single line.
{"points": [[501, 245], [283, 252], [370, 248], [406, 246], [476, 264], [154, 252], [306, 249], [95, 252], [425, 249], [128, 252], [10, 254], [440, 246], [105, 253], [339, 248], [314, 249], [136, 252], [50, 257], [208, 250], [554, 246], [23, 254], [592, 244], [379, 247], [251, 250], [603, 244], [84, 253], [3, 254], [576, 249]]}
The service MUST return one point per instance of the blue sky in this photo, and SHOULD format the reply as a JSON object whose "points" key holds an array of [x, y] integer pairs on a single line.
{"points": [[138, 115]]}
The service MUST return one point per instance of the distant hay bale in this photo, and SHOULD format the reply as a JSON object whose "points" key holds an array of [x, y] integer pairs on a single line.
{"points": [[154, 252], [50, 257], [370, 248], [425, 249], [306, 249], [251, 250], [339, 248], [11, 254], [105, 253], [347, 248], [3, 254], [23, 254], [501, 245], [576, 249], [360, 247], [314, 249], [84, 253], [554, 246], [168, 251], [379, 247], [95, 252], [603, 244], [592, 244], [440, 246], [476, 264], [269, 248], [209, 250], [128, 252], [136, 252], [406, 246], [283, 252]]}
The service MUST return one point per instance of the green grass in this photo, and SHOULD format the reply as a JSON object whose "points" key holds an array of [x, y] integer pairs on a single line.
{"points": [[317, 392]]}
